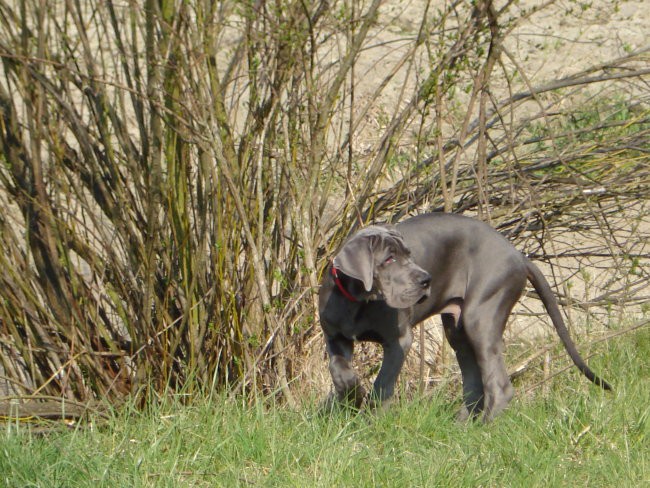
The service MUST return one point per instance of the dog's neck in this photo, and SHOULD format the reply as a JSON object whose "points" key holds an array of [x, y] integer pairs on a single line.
{"points": [[353, 289]]}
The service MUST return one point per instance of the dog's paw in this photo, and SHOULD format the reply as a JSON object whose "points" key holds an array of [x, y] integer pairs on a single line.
{"points": [[375, 405], [355, 397], [329, 404], [463, 415], [352, 399]]}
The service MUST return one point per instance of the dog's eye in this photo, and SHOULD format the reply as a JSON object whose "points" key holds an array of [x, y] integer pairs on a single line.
{"points": [[390, 260]]}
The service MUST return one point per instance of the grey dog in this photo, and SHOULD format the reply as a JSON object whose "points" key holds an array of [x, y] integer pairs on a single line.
{"points": [[386, 279]]}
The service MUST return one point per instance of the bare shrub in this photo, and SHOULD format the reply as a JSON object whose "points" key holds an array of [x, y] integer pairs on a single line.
{"points": [[175, 175]]}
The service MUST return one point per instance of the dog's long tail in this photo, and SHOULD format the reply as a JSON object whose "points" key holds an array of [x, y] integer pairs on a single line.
{"points": [[550, 303]]}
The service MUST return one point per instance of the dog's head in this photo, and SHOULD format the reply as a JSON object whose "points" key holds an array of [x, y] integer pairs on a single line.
{"points": [[378, 256]]}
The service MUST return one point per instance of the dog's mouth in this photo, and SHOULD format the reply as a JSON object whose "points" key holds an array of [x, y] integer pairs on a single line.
{"points": [[417, 297], [425, 294]]}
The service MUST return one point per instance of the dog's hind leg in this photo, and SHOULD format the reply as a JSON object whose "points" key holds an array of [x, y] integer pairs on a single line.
{"points": [[484, 327], [469, 368], [498, 390]]}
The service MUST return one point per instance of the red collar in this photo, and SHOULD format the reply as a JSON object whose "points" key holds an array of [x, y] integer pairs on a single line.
{"points": [[340, 286]]}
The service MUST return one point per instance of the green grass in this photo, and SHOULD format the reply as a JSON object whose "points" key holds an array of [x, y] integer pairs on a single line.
{"points": [[573, 435]]}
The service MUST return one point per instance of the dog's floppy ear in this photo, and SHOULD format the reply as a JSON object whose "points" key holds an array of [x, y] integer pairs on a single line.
{"points": [[356, 259]]}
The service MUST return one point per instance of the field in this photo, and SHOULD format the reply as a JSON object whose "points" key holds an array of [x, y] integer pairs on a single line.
{"points": [[572, 435], [175, 176]]}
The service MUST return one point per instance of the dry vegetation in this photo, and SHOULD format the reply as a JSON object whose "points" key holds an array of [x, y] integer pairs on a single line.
{"points": [[175, 175]]}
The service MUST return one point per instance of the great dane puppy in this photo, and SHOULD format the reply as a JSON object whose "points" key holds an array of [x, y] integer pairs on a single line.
{"points": [[386, 279]]}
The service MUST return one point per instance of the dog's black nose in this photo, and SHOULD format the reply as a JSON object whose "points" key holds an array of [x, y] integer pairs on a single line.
{"points": [[425, 281]]}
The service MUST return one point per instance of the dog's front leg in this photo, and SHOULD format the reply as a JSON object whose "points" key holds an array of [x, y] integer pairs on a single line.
{"points": [[394, 355], [345, 379]]}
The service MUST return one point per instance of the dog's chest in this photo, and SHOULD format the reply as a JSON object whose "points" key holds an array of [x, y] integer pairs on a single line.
{"points": [[374, 321]]}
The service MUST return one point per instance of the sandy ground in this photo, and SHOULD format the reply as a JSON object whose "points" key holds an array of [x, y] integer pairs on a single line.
{"points": [[558, 41]]}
